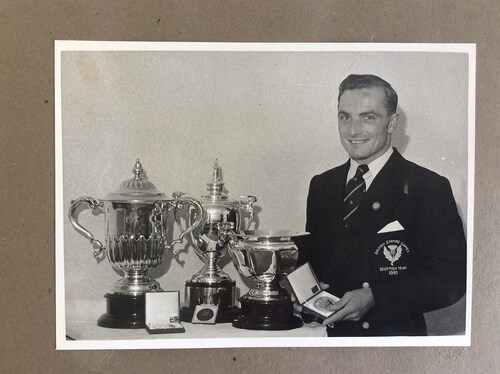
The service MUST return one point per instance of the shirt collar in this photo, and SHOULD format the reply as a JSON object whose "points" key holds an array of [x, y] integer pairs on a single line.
{"points": [[374, 167]]}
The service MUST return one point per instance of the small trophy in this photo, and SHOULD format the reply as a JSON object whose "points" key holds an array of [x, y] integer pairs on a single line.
{"points": [[136, 236], [266, 257], [211, 286]]}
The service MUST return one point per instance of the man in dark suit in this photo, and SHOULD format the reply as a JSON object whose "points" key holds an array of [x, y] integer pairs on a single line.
{"points": [[385, 233]]}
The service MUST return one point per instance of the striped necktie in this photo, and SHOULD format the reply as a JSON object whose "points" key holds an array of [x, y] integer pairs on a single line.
{"points": [[354, 191]]}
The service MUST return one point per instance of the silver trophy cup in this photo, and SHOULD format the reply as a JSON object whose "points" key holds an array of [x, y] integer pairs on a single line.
{"points": [[137, 235], [265, 257], [211, 285]]}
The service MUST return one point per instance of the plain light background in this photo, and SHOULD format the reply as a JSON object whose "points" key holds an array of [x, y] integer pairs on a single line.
{"points": [[27, 184], [268, 117]]}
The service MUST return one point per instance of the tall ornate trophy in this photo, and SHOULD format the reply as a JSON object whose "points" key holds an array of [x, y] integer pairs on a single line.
{"points": [[137, 233], [265, 257], [211, 285]]}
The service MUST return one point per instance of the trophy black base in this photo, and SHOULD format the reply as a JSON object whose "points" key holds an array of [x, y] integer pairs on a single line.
{"points": [[124, 312], [223, 316], [221, 294], [267, 315]]}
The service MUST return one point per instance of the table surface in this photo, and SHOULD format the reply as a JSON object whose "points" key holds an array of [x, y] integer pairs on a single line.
{"points": [[88, 330], [81, 326]]}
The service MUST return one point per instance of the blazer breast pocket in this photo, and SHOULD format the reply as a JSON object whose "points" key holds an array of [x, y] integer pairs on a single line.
{"points": [[391, 254]]}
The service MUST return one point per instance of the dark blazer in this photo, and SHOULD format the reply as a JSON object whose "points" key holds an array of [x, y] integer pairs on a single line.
{"points": [[410, 271]]}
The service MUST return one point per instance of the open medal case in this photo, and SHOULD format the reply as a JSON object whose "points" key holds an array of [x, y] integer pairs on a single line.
{"points": [[302, 282], [162, 312]]}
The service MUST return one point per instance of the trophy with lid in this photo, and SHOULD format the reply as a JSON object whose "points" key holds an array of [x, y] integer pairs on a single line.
{"points": [[211, 286], [266, 257], [137, 234]]}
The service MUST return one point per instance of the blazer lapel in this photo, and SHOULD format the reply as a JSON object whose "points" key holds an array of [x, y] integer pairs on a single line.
{"points": [[335, 193], [384, 193]]}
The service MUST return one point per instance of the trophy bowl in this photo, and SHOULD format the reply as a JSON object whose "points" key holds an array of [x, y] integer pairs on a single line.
{"points": [[265, 257]]}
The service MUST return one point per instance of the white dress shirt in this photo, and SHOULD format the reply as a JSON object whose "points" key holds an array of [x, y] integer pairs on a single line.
{"points": [[374, 168]]}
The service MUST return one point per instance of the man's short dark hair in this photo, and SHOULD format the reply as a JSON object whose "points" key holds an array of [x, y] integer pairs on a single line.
{"points": [[355, 81]]}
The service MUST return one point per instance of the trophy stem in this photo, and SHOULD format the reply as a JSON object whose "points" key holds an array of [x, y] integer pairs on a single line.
{"points": [[265, 290], [268, 288], [135, 282], [211, 268]]}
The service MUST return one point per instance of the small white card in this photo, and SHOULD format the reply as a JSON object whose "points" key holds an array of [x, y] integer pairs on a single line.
{"points": [[390, 227]]}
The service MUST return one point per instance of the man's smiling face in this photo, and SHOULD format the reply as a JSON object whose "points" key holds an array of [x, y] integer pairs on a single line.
{"points": [[365, 126]]}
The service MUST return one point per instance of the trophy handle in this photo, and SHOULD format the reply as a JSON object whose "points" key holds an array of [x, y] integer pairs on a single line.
{"points": [[73, 217], [246, 203], [179, 201]]}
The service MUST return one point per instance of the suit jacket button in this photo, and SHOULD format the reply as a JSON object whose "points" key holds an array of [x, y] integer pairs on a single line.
{"points": [[365, 285], [376, 206], [366, 325]]}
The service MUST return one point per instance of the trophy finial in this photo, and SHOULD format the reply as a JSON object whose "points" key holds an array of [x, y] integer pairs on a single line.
{"points": [[216, 185], [217, 172], [137, 170]]}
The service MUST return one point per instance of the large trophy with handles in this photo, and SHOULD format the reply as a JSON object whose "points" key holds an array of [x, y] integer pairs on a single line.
{"points": [[137, 235], [211, 286]]}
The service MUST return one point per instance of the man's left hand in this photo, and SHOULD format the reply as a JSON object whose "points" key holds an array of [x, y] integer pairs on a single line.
{"points": [[352, 306]]}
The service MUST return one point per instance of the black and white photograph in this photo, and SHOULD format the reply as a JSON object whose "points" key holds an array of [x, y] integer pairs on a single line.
{"points": [[263, 194]]}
